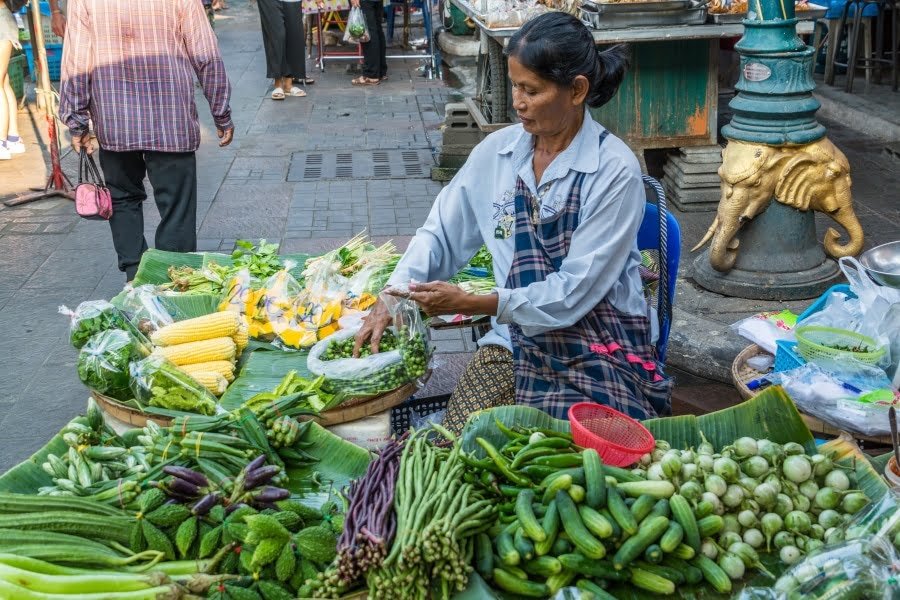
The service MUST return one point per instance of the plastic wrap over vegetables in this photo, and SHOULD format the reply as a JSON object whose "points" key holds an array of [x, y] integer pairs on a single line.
{"points": [[158, 382], [103, 362], [94, 316], [403, 356], [146, 310]]}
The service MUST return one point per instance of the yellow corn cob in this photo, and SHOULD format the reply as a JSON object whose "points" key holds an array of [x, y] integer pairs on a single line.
{"points": [[191, 353], [241, 337], [207, 327], [224, 368], [214, 382]]}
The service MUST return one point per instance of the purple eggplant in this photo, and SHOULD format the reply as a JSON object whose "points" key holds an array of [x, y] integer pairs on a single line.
{"points": [[233, 507], [198, 479], [183, 488], [205, 504], [260, 476], [270, 494], [255, 463]]}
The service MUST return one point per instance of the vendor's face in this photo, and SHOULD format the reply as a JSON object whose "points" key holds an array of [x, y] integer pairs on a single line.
{"points": [[543, 107]]}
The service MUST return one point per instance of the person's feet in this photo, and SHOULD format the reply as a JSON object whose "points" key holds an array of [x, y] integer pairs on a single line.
{"points": [[5, 154], [363, 80]]}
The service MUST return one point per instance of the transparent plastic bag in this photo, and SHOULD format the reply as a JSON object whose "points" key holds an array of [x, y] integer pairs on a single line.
{"points": [[403, 359], [856, 569], [880, 519], [357, 32], [834, 394], [283, 309], [103, 362], [157, 382], [146, 310], [94, 316]]}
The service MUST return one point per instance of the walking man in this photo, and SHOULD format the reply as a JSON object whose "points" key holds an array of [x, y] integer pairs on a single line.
{"points": [[129, 67]]}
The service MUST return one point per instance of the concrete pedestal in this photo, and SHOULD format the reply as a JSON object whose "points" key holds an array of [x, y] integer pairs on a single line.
{"points": [[779, 258]]}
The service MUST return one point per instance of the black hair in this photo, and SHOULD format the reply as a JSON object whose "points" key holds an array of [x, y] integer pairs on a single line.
{"points": [[558, 47]]}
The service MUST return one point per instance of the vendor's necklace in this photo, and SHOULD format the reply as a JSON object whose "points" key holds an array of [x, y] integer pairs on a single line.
{"points": [[536, 206]]}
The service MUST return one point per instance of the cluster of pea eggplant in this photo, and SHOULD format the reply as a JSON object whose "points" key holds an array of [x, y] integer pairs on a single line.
{"points": [[772, 496]]}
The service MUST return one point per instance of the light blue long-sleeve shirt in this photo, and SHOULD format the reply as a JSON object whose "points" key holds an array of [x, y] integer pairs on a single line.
{"points": [[603, 258]]}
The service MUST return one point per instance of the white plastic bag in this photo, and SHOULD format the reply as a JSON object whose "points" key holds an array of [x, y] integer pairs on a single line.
{"points": [[357, 32], [767, 328]]}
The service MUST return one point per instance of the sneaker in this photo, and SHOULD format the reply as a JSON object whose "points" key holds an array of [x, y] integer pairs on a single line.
{"points": [[16, 147], [5, 153]]}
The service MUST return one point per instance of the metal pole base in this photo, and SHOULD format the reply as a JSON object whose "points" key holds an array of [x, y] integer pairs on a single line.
{"points": [[779, 258], [763, 285]]}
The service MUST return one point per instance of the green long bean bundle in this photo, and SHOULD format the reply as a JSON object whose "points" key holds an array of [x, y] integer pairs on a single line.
{"points": [[438, 514]]}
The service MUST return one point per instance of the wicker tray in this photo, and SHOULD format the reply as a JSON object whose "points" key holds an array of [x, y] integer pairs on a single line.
{"points": [[742, 373], [126, 414], [351, 410]]}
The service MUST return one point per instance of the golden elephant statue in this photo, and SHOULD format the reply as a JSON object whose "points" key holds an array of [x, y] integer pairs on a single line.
{"points": [[810, 177]]}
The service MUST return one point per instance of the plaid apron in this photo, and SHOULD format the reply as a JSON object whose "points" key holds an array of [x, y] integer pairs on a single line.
{"points": [[606, 357]]}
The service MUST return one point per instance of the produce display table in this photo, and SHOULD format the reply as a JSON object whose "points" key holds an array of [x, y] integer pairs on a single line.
{"points": [[669, 97]]}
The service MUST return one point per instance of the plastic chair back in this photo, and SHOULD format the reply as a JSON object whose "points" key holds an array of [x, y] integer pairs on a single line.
{"points": [[660, 232]]}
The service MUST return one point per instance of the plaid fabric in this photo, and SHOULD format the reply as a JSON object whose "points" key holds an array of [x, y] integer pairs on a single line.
{"points": [[130, 66], [606, 356]]}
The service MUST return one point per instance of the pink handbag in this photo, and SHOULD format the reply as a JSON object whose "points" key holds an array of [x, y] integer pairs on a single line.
{"points": [[92, 198]]}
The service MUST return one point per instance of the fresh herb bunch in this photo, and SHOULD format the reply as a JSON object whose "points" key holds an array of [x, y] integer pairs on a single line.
{"points": [[262, 261], [483, 259], [103, 362]]}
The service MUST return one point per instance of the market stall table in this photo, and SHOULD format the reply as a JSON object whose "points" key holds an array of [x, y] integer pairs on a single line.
{"points": [[669, 97]]}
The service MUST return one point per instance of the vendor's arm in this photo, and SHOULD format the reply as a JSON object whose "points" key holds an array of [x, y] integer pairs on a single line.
{"points": [[450, 236], [599, 249]]}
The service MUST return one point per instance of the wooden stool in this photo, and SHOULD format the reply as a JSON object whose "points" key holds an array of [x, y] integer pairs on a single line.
{"points": [[874, 57]]}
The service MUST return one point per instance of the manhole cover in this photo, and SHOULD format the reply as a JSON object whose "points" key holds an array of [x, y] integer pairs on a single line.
{"points": [[362, 164]]}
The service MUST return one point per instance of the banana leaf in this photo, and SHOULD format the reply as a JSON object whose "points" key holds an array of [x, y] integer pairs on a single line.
{"points": [[770, 414], [339, 463], [154, 267], [189, 306], [868, 476], [27, 476], [262, 372]]}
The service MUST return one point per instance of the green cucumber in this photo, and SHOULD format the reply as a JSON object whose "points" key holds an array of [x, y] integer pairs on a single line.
{"points": [[525, 513], [559, 461], [524, 546], [669, 573], [595, 522], [649, 532], [583, 539], [506, 550], [620, 512], [652, 582], [508, 582], [657, 489], [589, 587], [681, 512], [601, 569], [653, 554], [484, 555], [713, 574], [617, 530], [560, 580], [545, 566], [550, 525], [672, 537], [594, 479], [642, 507], [710, 526], [563, 482]]}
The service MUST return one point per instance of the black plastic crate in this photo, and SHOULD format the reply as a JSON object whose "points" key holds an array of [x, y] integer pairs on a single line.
{"points": [[400, 415]]}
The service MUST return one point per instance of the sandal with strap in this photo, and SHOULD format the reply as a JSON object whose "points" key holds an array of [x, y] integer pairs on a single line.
{"points": [[278, 94], [361, 80], [307, 81], [297, 92]]}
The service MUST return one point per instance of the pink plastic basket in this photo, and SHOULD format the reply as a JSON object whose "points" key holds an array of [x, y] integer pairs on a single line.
{"points": [[619, 439]]}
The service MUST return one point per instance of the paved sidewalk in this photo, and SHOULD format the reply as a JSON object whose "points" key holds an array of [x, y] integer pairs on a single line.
{"points": [[261, 186]]}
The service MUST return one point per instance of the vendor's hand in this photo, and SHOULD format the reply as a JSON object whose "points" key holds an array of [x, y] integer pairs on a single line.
{"points": [[439, 298], [225, 136], [354, 3], [82, 141], [58, 24], [374, 324]]}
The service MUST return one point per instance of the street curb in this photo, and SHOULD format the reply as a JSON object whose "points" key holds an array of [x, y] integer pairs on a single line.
{"points": [[835, 108], [703, 347]]}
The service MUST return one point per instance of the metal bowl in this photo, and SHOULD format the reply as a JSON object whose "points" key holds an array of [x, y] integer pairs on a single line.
{"points": [[882, 263]]}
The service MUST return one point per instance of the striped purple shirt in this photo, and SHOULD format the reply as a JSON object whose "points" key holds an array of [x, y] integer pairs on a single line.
{"points": [[129, 66]]}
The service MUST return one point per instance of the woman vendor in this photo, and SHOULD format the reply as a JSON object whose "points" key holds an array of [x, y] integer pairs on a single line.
{"points": [[558, 201]]}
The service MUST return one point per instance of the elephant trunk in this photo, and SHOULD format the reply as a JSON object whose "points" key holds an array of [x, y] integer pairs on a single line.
{"points": [[723, 250], [846, 218]]}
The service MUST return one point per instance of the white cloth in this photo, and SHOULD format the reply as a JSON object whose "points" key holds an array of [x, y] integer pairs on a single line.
{"points": [[9, 30], [603, 257]]}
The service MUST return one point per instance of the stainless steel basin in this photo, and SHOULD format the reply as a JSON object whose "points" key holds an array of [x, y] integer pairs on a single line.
{"points": [[882, 263]]}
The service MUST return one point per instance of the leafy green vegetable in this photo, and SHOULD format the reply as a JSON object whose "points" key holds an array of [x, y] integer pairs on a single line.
{"points": [[158, 382], [262, 261], [103, 362], [93, 317], [483, 259]]}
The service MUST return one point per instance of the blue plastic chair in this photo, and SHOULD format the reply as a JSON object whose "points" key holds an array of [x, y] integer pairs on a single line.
{"points": [[660, 231]]}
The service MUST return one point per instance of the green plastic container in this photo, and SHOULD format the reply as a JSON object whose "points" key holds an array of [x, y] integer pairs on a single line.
{"points": [[459, 26], [17, 75]]}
